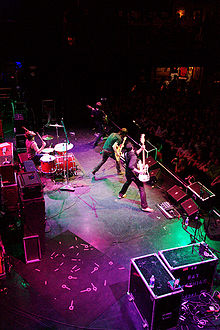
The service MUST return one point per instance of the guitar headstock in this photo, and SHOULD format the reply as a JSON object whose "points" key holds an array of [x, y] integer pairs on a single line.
{"points": [[142, 139]]}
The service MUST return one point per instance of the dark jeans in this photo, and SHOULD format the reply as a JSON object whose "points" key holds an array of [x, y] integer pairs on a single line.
{"points": [[105, 155], [36, 158], [140, 186]]}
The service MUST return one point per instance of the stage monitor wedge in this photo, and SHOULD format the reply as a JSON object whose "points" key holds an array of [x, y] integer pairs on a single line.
{"points": [[176, 193]]}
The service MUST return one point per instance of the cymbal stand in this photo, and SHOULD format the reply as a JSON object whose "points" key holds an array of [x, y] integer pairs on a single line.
{"points": [[66, 187], [57, 134]]}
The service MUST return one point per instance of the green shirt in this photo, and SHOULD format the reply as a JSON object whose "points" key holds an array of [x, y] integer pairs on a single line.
{"points": [[113, 137]]}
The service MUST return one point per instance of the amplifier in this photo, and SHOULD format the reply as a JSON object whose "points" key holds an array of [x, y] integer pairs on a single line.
{"points": [[159, 305], [20, 142], [10, 198], [33, 212], [151, 162], [190, 207], [19, 123], [30, 185], [194, 269], [6, 153], [7, 174], [176, 193]]}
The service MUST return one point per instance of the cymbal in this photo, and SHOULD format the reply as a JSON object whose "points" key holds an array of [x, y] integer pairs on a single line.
{"points": [[47, 150], [62, 147], [47, 137], [55, 125]]}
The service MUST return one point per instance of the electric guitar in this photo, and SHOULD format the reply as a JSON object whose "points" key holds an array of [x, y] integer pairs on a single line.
{"points": [[118, 149], [144, 176]]}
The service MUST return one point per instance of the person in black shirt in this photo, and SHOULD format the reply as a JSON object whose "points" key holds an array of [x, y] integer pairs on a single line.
{"points": [[131, 172], [100, 121]]}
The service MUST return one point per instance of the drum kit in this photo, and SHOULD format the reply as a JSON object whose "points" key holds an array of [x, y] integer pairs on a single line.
{"points": [[57, 160]]}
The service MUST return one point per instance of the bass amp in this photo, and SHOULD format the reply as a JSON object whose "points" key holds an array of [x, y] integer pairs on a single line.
{"points": [[30, 185]]}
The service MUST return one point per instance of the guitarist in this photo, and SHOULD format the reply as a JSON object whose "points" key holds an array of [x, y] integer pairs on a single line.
{"points": [[131, 171], [114, 139], [101, 122]]}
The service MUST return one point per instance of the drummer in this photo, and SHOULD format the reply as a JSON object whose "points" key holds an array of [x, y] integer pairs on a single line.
{"points": [[33, 151]]}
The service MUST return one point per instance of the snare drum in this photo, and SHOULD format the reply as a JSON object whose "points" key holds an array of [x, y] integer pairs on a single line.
{"points": [[63, 161], [48, 164]]}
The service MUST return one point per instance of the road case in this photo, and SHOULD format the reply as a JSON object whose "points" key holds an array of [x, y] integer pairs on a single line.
{"points": [[193, 264], [158, 306]]}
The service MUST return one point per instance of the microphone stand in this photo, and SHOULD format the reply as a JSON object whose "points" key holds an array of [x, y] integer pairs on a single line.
{"points": [[66, 187]]}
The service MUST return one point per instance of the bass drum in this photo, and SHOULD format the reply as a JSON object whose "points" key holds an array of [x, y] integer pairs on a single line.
{"points": [[65, 162], [48, 164]]}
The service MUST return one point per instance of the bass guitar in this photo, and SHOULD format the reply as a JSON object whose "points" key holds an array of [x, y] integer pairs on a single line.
{"points": [[118, 149], [144, 176]]}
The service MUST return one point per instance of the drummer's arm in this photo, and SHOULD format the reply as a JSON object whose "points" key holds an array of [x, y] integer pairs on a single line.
{"points": [[42, 147], [36, 149]]}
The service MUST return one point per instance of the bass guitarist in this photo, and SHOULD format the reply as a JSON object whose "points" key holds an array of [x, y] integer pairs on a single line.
{"points": [[114, 140], [131, 173]]}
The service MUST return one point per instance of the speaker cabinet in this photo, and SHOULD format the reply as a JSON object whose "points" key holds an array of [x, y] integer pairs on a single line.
{"points": [[10, 198], [20, 142], [151, 162], [6, 153], [30, 185], [190, 207], [19, 123], [7, 173], [155, 174], [33, 214]]}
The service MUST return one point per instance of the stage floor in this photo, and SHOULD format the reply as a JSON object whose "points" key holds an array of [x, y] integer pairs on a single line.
{"points": [[117, 228]]}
